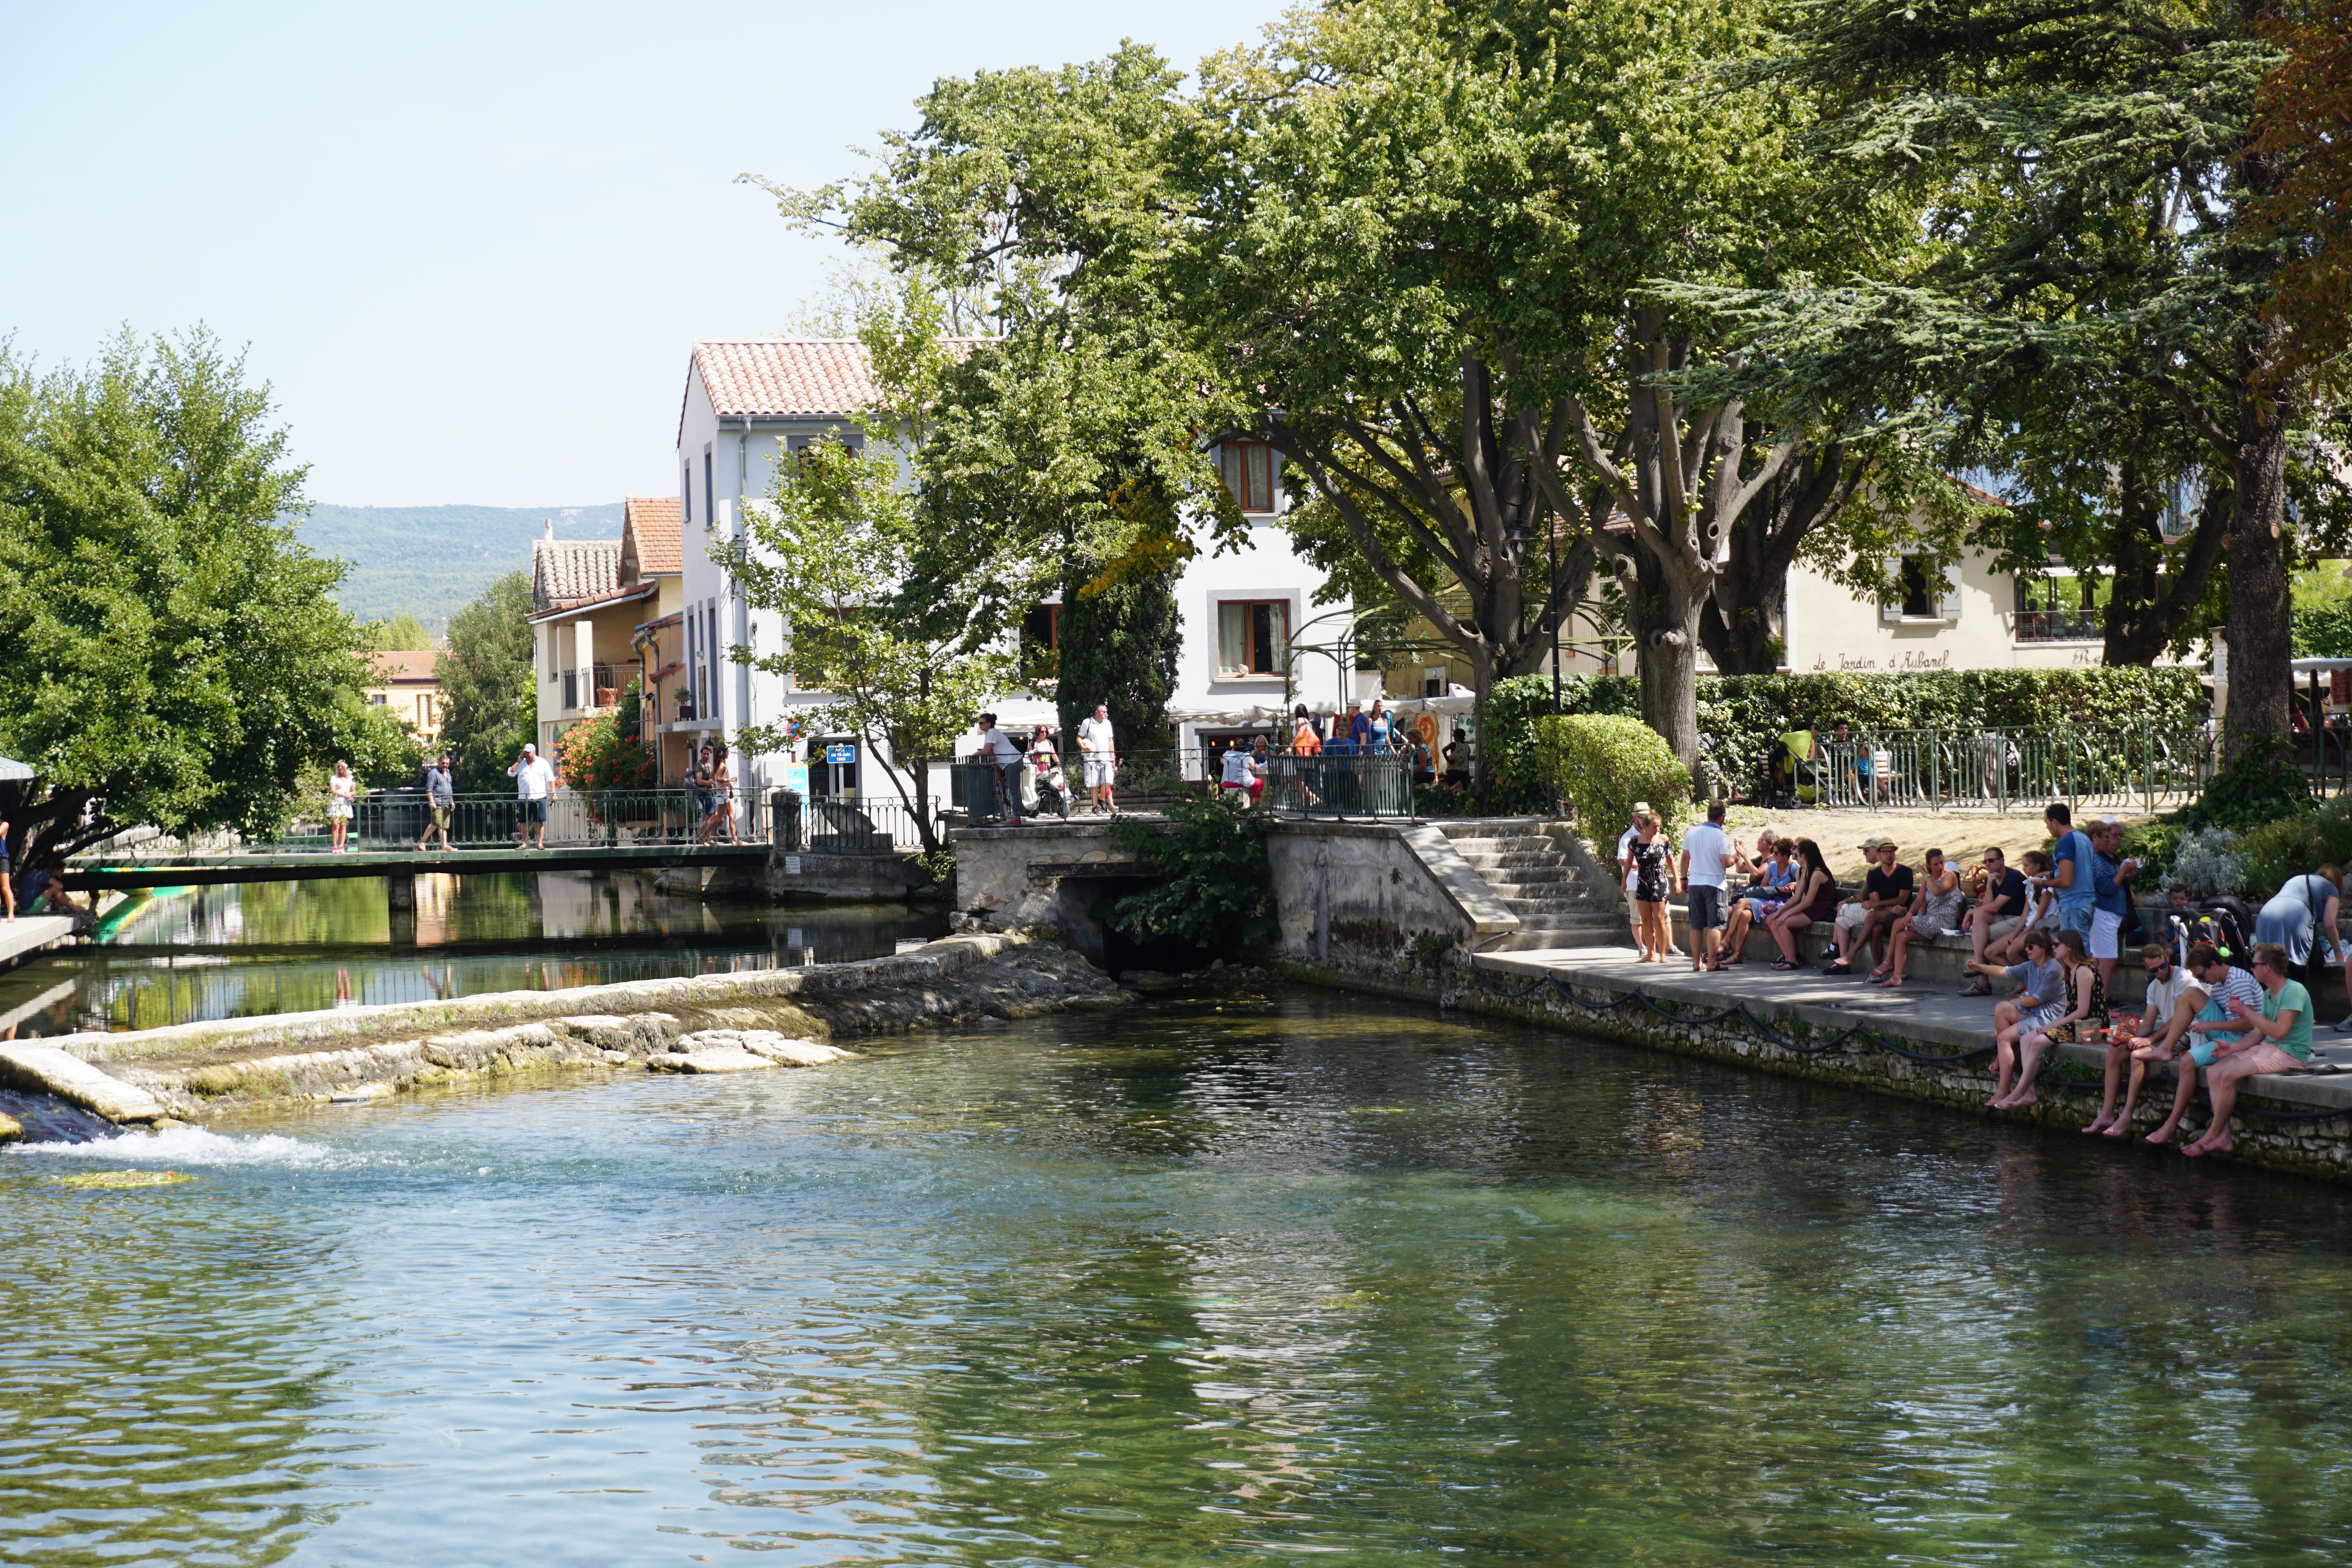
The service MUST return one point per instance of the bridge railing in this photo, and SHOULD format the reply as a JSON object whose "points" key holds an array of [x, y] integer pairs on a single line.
{"points": [[577, 819]]}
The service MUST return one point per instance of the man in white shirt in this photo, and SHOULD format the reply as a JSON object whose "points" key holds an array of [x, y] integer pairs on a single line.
{"points": [[1008, 760], [534, 776], [1095, 740], [1708, 854]]}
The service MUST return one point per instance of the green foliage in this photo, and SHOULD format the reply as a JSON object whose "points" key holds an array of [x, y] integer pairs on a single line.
{"points": [[2302, 841], [1120, 647], [604, 753], [2323, 612], [400, 632], [1218, 892], [1601, 764], [491, 701], [175, 655], [2261, 784]]}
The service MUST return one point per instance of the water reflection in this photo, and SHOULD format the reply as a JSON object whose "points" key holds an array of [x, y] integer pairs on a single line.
{"points": [[190, 953], [1174, 1287]]}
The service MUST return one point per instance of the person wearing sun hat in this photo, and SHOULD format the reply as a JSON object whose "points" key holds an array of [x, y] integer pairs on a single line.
{"points": [[1625, 868], [1887, 892]]}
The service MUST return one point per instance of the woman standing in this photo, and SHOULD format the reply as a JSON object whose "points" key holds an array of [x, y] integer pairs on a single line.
{"points": [[2307, 908], [1654, 878], [2062, 1022], [1815, 898], [343, 792], [721, 780]]}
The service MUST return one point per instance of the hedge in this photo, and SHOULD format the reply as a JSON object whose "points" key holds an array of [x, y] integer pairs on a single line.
{"points": [[1602, 763], [1740, 716]]}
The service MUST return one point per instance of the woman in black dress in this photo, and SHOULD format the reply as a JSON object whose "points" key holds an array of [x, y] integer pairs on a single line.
{"points": [[1654, 878]]}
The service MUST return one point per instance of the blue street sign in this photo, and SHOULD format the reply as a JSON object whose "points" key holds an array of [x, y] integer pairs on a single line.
{"points": [[841, 756]]}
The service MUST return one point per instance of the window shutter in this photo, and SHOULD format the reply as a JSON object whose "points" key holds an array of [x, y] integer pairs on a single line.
{"points": [[1947, 608], [1890, 603]]}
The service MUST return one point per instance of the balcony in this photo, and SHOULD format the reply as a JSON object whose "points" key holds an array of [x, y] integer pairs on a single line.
{"points": [[2058, 626], [596, 689]]}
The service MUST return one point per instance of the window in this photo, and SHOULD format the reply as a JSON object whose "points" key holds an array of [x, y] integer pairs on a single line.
{"points": [[709, 492], [571, 688], [1917, 594], [1432, 680], [1253, 638], [1249, 473], [1041, 642], [685, 486], [378, 699], [2061, 609]]}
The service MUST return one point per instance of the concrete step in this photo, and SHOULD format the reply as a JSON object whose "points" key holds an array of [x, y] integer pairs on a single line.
{"points": [[1536, 908], [1531, 876], [1495, 860], [1524, 939], [1504, 843]]}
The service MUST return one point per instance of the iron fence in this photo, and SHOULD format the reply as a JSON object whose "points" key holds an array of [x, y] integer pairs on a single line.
{"points": [[831, 824], [1336, 783], [397, 820], [2145, 768]]}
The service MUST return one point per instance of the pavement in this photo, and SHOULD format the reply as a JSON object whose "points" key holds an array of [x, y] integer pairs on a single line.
{"points": [[1931, 1014]]}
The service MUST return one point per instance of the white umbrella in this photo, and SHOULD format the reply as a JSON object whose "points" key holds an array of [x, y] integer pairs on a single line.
{"points": [[11, 770]]}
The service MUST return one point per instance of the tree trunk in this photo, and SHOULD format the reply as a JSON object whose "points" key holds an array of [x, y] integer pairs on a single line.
{"points": [[2146, 611], [1482, 682], [2261, 630]]}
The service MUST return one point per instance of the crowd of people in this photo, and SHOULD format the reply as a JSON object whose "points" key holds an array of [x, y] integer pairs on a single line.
{"points": [[2047, 935]]}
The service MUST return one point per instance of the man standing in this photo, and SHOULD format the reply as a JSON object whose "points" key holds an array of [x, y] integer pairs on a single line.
{"points": [[2111, 876], [440, 802], [1008, 760], [1707, 856], [2070, 870], [1100, 747], [1998, 889], [1886, 894], [534, 776]]}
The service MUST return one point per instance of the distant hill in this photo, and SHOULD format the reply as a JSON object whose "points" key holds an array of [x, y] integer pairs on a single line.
{"points": [[428, 560]]}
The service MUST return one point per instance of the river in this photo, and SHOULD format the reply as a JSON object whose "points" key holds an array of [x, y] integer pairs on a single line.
{"points": [[186, 955], [1265, 1282]]}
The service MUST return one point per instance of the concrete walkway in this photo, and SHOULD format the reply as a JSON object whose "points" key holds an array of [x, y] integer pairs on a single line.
{"points": [[1933, 1017], [28, 934]]}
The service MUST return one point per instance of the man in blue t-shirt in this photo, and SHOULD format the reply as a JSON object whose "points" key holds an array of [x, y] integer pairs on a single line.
{"points": [[2070, 870]]}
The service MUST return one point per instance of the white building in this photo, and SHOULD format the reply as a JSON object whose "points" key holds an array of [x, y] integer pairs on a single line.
{"points": [[750, 401]]}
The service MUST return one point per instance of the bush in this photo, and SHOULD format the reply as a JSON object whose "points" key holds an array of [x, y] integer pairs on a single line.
{"points": [[1602, 763], [2205, 861], [600, 754], [2280, 848], [2261, 786], [1218, 891], [1740, 716]]}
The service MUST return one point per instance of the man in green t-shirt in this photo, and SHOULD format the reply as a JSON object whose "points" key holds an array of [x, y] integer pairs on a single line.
{"points": [[2277, 1039]]}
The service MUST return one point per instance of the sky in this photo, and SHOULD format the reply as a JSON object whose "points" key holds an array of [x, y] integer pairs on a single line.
{"points": [[469, 246]]}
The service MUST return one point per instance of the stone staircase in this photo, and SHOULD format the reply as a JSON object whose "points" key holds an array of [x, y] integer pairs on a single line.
{"points": [[1558, 903]]}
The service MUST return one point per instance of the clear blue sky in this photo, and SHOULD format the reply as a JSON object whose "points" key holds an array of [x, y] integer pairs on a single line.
{"points": [[469, 244]]}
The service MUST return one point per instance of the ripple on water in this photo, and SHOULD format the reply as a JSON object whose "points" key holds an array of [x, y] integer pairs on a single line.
{"points": [[198, 1147]]}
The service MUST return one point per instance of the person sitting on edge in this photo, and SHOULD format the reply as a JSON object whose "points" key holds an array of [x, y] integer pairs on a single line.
{"points": [[2070, 863], [1814, 900], [1457, 760], [2277, 1039], [2174, 996], [1707, 855], [2041, 909], [1936, 913], [2039, 983], [1885, 893], [2084, 1009], [2219, 981], [2111, 875], [1998, 889], [1774, 878], [2301, 918]]}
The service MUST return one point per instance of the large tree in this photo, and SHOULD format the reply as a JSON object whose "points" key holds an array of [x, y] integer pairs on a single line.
{"points": [[490, 692], [2090, 175], [175, 658]]}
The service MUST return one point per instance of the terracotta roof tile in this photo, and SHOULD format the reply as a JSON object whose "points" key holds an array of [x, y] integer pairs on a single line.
{"points": [[787, 377], [649, 536], [562, 607], [562, 571], [407, 665]]}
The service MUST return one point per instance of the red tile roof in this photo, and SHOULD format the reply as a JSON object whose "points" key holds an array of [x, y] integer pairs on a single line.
{"points": [[649, 538], [563, 572], [408, 664], [563, 607], [788, 377]]}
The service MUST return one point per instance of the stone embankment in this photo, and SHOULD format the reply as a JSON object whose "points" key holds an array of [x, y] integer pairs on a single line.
{"points": [[718, 1023]]}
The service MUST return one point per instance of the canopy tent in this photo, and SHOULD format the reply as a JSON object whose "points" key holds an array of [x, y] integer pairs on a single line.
{"points": [[1264, 714], [11, 770]]}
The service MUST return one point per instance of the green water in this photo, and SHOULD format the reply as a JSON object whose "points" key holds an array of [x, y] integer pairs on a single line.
{"points": [[1314, 1281], [194, 954]]}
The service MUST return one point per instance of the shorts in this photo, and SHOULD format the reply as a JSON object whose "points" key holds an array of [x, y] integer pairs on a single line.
{"points": [[1763, 908], [2004, 927], [531, 811], [2201, 1053], [2104, 928], [2076, 917], [1705, 907], [441, 815], [1098, 771], [2045, 1019], [1850, 916]]}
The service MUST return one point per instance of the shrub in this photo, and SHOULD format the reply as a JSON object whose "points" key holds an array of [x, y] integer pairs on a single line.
{"points": [[1219, 887], [2260, 786], [1602, 763], [599, 754], [2205, 861], [2278, 849]]}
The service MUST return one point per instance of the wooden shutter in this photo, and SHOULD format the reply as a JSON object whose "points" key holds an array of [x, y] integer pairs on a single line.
{"points": [[1948, 607]]}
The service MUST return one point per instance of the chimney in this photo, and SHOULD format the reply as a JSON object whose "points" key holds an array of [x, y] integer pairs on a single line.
{"points": [[550, 527]]}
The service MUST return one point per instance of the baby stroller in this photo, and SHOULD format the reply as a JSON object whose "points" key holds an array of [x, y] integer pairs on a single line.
{"points": [[1053, 790], [1793, 777], [2227, 923]]}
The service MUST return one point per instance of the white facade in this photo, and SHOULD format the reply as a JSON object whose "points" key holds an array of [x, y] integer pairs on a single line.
{"points": [[746, 403]]}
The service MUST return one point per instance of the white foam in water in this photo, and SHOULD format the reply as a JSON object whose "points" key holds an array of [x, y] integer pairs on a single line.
{"points": [[195, 1146]]}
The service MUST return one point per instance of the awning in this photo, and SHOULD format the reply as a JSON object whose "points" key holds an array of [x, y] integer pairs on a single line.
{"points": [[1264, 713], [2316, 666], [11, 770]]}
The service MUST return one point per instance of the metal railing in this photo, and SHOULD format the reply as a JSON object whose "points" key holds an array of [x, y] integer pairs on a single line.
{"points": [[1339, 784], [827, 824], [396, 819], [2143, 767]]}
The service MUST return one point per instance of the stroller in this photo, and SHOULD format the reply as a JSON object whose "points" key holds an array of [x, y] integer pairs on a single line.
{"points": [[1792, 777], [2227, 923], [1045, 790]]}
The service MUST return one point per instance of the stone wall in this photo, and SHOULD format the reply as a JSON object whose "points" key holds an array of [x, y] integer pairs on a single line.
{"points": [[1375, 897]]}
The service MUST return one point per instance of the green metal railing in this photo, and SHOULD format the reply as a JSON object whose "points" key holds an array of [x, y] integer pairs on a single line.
{"points": [[397, 819], [2142, 768]]}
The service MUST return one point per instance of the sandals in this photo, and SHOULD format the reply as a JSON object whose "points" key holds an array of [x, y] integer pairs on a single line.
{"points": [[1838, 969], [1783, 963], [1979, 989]]}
